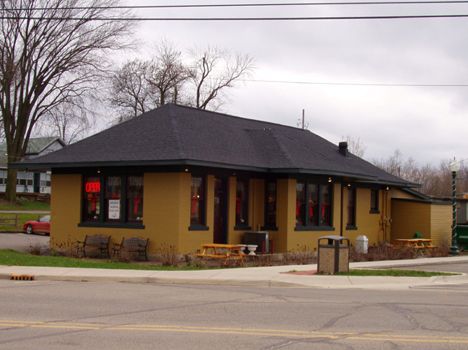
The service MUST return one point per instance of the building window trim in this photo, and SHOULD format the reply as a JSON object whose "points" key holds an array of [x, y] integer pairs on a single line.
{"points": [[374, 202], [270, 226], [351, 223], [201, 224], [244, 206], [101, 221], [316, 226]]}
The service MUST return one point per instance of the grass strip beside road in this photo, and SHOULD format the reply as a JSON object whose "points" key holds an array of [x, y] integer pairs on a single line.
{"points": [[395, 273], [13, 258]]}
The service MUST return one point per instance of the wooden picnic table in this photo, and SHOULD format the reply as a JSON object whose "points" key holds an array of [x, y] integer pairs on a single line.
{"points": [[415, 243], [222, 251]]}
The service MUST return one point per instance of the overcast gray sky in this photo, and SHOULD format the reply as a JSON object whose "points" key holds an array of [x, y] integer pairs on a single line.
{"points": [[426, 123]]}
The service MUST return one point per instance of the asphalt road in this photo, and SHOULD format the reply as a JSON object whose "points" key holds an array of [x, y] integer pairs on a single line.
{"points": [[72, 315]]}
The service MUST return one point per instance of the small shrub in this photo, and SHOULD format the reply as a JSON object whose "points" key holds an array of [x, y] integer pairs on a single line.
{"points": [[301, 256], [440, 251], [35, 249], [54, 252], [198, 263], [383, 251], [188, 259], [168, 255], [264, 260]]}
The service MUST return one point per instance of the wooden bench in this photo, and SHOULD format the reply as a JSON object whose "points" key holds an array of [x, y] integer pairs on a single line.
{"points": [[134, 245], [98, 243]]}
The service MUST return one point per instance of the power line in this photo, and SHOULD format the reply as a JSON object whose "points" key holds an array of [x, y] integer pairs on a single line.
{"points": [[237, 19], [351, 83], [293, 4]]}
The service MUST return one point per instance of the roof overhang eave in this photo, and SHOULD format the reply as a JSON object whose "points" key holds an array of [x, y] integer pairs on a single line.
{"points": [[119, 163], [359, 177]]}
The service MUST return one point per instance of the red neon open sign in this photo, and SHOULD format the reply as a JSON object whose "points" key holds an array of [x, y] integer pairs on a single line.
{"points": [[93, 187]]}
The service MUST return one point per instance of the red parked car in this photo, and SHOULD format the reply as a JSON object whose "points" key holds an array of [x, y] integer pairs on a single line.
{"points": [[38, 226]]}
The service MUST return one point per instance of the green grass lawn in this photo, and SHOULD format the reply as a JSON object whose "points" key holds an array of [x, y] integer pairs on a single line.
{"points": [[13, 258], [24, 204], [395, 273], [7, 220]]}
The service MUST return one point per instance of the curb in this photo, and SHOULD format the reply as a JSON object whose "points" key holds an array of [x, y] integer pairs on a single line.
{"points": [[426, 281], [158, 280]]}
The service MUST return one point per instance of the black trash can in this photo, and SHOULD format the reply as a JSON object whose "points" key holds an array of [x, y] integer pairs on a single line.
{"points": [[333, 255]]}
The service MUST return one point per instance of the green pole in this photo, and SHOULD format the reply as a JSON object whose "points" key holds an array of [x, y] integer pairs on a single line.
{"points": [[454, 248]]}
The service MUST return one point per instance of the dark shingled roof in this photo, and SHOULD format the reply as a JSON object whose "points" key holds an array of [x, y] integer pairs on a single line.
{"points": [[173, 135]]}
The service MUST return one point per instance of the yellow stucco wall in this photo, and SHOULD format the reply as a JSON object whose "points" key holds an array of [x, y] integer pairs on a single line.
{"points": [[409, 217], [441, 225], [65, 209], [368, 224], [397, 193], [166, 214]]}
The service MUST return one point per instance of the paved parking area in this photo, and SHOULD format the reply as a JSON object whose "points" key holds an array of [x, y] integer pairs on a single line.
{"points": [[22, 242]]}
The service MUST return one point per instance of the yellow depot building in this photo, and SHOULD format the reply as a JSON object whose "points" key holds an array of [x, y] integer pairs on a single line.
{"points": [[185, 177]]}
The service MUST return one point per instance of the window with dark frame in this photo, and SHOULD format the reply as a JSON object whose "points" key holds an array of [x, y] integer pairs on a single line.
{"points": [[325, 205], [374, 200], [92, 200], [197, 201], [300, 203], [242, 203], [351, 220], [134, 198], [270, 204], [313, 204], [113, 199]]}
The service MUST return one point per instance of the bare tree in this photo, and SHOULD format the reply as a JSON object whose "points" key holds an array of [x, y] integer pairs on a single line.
{"points": [[143, 85], [167, 74], [356, 146], [50, 52], [69, 121], [434, 180], [392, 164], [130, 93], [214, 70]]}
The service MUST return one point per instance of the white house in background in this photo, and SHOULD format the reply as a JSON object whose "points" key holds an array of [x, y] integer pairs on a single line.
{"points": [[29, 182]]}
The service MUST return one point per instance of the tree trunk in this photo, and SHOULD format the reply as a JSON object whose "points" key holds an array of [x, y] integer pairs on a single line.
{"points": [[14, 155], [10, 192]]}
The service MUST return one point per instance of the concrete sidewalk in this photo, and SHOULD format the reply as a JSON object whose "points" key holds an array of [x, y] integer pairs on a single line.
{"points": [[253, 276]]}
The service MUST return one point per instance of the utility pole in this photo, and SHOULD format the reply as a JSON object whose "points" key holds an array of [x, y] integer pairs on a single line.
{"points": [[303, 118]]}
